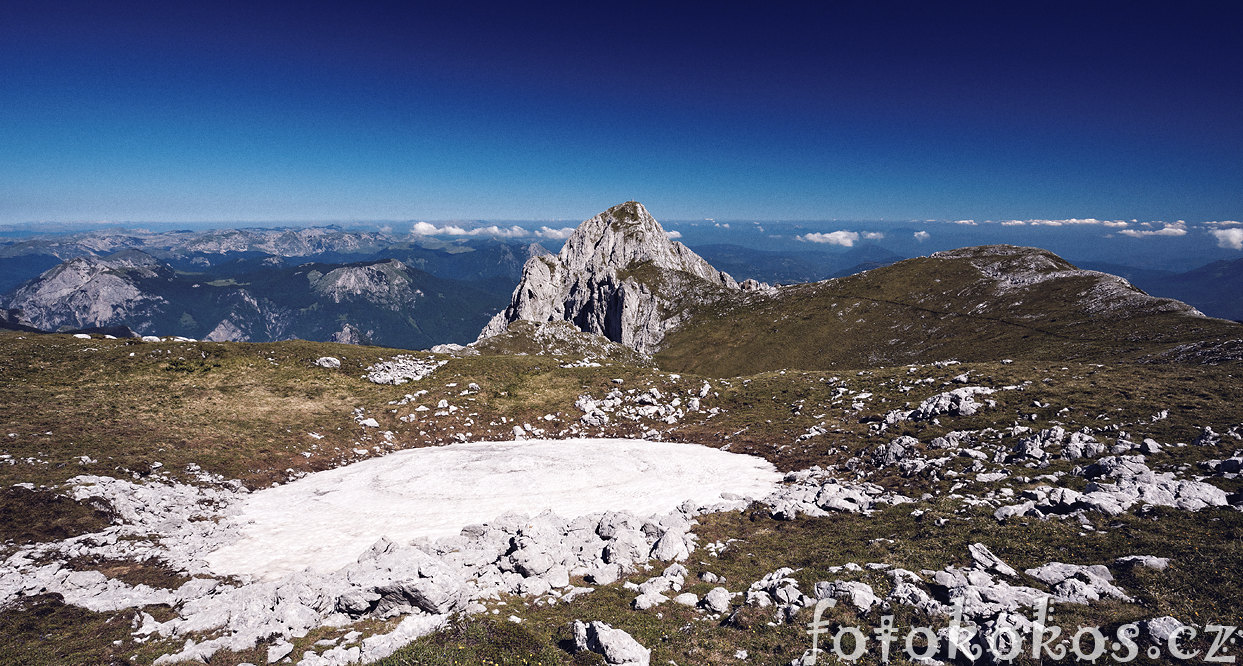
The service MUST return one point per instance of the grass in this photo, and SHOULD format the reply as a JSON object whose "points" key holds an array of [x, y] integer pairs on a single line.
{"points": [[237, 410], [918, 311], [246, 410], [43, 631]]}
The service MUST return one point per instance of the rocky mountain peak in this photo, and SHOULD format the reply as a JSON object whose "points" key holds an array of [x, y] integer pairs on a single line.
{"points": [[627, 235], [618, 275]]}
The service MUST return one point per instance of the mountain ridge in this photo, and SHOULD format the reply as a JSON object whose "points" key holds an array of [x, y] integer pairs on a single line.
{"points": [[983, 303]]}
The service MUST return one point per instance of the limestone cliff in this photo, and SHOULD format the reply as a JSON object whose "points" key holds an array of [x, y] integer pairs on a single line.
{"points": [[618, 275]]}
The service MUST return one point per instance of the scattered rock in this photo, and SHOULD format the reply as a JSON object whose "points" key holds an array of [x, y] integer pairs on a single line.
{"points": [[1147, 561], [402, 369], [616, 646], [986, 559], [1159, 629]]}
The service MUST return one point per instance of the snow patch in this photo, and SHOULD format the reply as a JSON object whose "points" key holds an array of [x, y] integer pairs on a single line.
{"points": [[326, 520]]}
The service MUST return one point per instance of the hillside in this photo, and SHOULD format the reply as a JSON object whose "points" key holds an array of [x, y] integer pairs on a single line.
{"points": [[975, 304], [877, 486], [1214, 288]]}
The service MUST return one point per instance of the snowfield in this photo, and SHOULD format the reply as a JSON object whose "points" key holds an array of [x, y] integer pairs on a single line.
{"points": [[326, 520]]}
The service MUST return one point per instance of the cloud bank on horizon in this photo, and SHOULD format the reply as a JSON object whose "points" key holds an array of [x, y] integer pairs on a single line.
{"points": [[1227, 233], [491, 231]]}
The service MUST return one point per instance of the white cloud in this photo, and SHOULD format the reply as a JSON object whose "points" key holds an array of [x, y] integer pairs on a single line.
{"points": [[558, 234], [1224, 223], [504, 232], [1231, 239], [429, 229], [922, 236], [1068, 222], [1078, 221], [873, 235], [969, 223], [843, 238], [1178, 228], [673, 235]]}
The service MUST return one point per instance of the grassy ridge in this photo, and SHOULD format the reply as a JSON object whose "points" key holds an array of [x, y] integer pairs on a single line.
{"points": [[928, 309]]}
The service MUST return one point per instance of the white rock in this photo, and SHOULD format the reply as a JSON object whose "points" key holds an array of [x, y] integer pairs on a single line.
{"points": [[1149, 561], [1159, 629], [278, 651], [616, 646], [717, 600], [985, 558]]}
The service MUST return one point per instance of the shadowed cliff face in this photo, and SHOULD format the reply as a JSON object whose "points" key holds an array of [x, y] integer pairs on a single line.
{"points": [[618, 276]]}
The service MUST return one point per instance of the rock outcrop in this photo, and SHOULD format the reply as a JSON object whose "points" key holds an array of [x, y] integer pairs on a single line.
{"points": [[618, 275], [553, 338]]}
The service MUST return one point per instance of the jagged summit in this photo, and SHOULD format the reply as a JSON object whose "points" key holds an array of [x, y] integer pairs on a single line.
{"points": [[626, 235], [618, 275]]}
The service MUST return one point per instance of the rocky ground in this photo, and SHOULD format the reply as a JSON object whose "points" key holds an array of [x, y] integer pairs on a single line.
{"points": [[961, 497]]}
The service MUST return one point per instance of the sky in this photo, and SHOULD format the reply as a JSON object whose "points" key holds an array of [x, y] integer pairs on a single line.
{"points": [[881, 111]]}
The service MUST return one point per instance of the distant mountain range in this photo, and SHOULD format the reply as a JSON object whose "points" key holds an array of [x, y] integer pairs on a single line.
{"points": [[794, 267], [329, 283], [1215, 289], [262, 285]]}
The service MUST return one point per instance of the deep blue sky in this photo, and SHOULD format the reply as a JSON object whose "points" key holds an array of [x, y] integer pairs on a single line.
{"points": [[252, 111]]}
